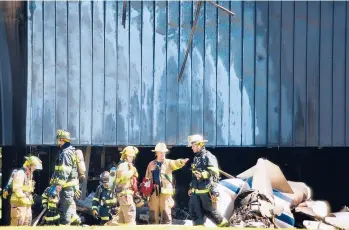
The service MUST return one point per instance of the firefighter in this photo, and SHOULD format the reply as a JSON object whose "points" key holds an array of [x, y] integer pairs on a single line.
{"points": [[50, 200], [22, 188], [66, 178], [202, 190], [104, 199], [125, 172], [159, 172]]}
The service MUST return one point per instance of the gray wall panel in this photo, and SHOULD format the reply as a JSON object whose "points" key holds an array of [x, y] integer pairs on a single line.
{"points": [[273, 75]]}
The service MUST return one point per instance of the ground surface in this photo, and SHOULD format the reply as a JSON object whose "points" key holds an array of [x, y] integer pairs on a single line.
{"points": [[142, 227]]}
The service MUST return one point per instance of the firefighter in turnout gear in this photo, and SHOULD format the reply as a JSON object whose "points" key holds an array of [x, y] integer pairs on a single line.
{"points": [[125, 172], [104, 199], [66, 178], [50, 200], [159, 172], [202, 191], [23, 186]]}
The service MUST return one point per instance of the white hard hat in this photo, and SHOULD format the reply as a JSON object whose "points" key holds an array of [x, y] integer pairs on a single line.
{"points": [[195, 139], [160, 147]]}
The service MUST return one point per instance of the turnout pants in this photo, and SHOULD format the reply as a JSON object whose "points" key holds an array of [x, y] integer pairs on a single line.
{"points": [[67, 208], [200, 207], [127, 210], [21, 215], [51, 217], [160, 205], [104, 214]]}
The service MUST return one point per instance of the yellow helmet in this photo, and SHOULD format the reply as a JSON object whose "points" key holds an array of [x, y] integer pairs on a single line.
{"points": [[130, 151], [196, 139], [33, 161], [63, 134]]}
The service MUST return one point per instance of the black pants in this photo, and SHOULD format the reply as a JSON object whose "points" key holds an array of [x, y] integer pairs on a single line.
{"points": [[200, 207]]}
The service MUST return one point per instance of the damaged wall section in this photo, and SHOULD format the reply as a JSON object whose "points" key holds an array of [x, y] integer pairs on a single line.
{"points": [[272, 75]]}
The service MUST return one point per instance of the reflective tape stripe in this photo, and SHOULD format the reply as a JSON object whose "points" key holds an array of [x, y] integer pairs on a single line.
{"points": [[204, 174], [167, 191], [110, 201], [63, 168], [95, 207], [127, 192], [95, 199], [104, 217], [52, 218], [213, 169], [44, 196], [200, 191], [52, 205]]}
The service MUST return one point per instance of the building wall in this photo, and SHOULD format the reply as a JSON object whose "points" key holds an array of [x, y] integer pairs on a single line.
{"points": [[273, 75]]}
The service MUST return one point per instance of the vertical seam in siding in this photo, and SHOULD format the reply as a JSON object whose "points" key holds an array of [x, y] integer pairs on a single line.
{"points": [[229, 86], [267, 71], [78, 133], [165, 95], [306, 77], [91, 127], [319, 81], [43, 70], [129, 67], [279, 75], [332, 73], [217, 23], [153, 67], [203, 72], [116, 69], [293, 51], [67, 70], [55, 121], [141, 73], [178, 64], [241, 83], [345, 74], [254, 73], [103, 119]]}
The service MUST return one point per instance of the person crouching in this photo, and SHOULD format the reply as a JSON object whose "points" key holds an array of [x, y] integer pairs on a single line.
{"points": [[50, 200], [104, 199]]}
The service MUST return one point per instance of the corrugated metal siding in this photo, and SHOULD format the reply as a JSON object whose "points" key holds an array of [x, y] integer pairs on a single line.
{"points": [[273, 75]]}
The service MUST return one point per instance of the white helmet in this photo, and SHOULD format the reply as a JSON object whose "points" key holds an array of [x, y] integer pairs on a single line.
{"points": [[195, 139]]}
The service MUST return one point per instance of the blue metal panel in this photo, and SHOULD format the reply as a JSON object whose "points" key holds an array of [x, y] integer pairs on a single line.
{"points": [[273, 75], [235, 79], [339, 74], [300, 80], [313, 37], [261, 69], [347, 78], [110, 73], [286, 84], [210, 74], [172, 72], [135, 72], [147, 74], [248, 74], [326, 31]]}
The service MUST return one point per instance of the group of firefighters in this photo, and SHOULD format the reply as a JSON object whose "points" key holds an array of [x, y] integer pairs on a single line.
{"points": [[117, 186]]}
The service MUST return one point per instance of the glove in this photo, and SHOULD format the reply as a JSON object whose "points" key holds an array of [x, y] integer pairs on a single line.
{"points": [[5, 194], [95, 213], [44, 205], [77, 194]]}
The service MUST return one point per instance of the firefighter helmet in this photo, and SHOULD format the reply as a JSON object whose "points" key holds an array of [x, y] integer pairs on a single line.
{"points": [[195, 139], [161, 147], [33, 161], [63, 134], [130, 151], [104, 177]]}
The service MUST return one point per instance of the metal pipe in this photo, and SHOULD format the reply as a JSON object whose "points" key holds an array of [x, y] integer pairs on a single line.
{"points": [[221, 7]]}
